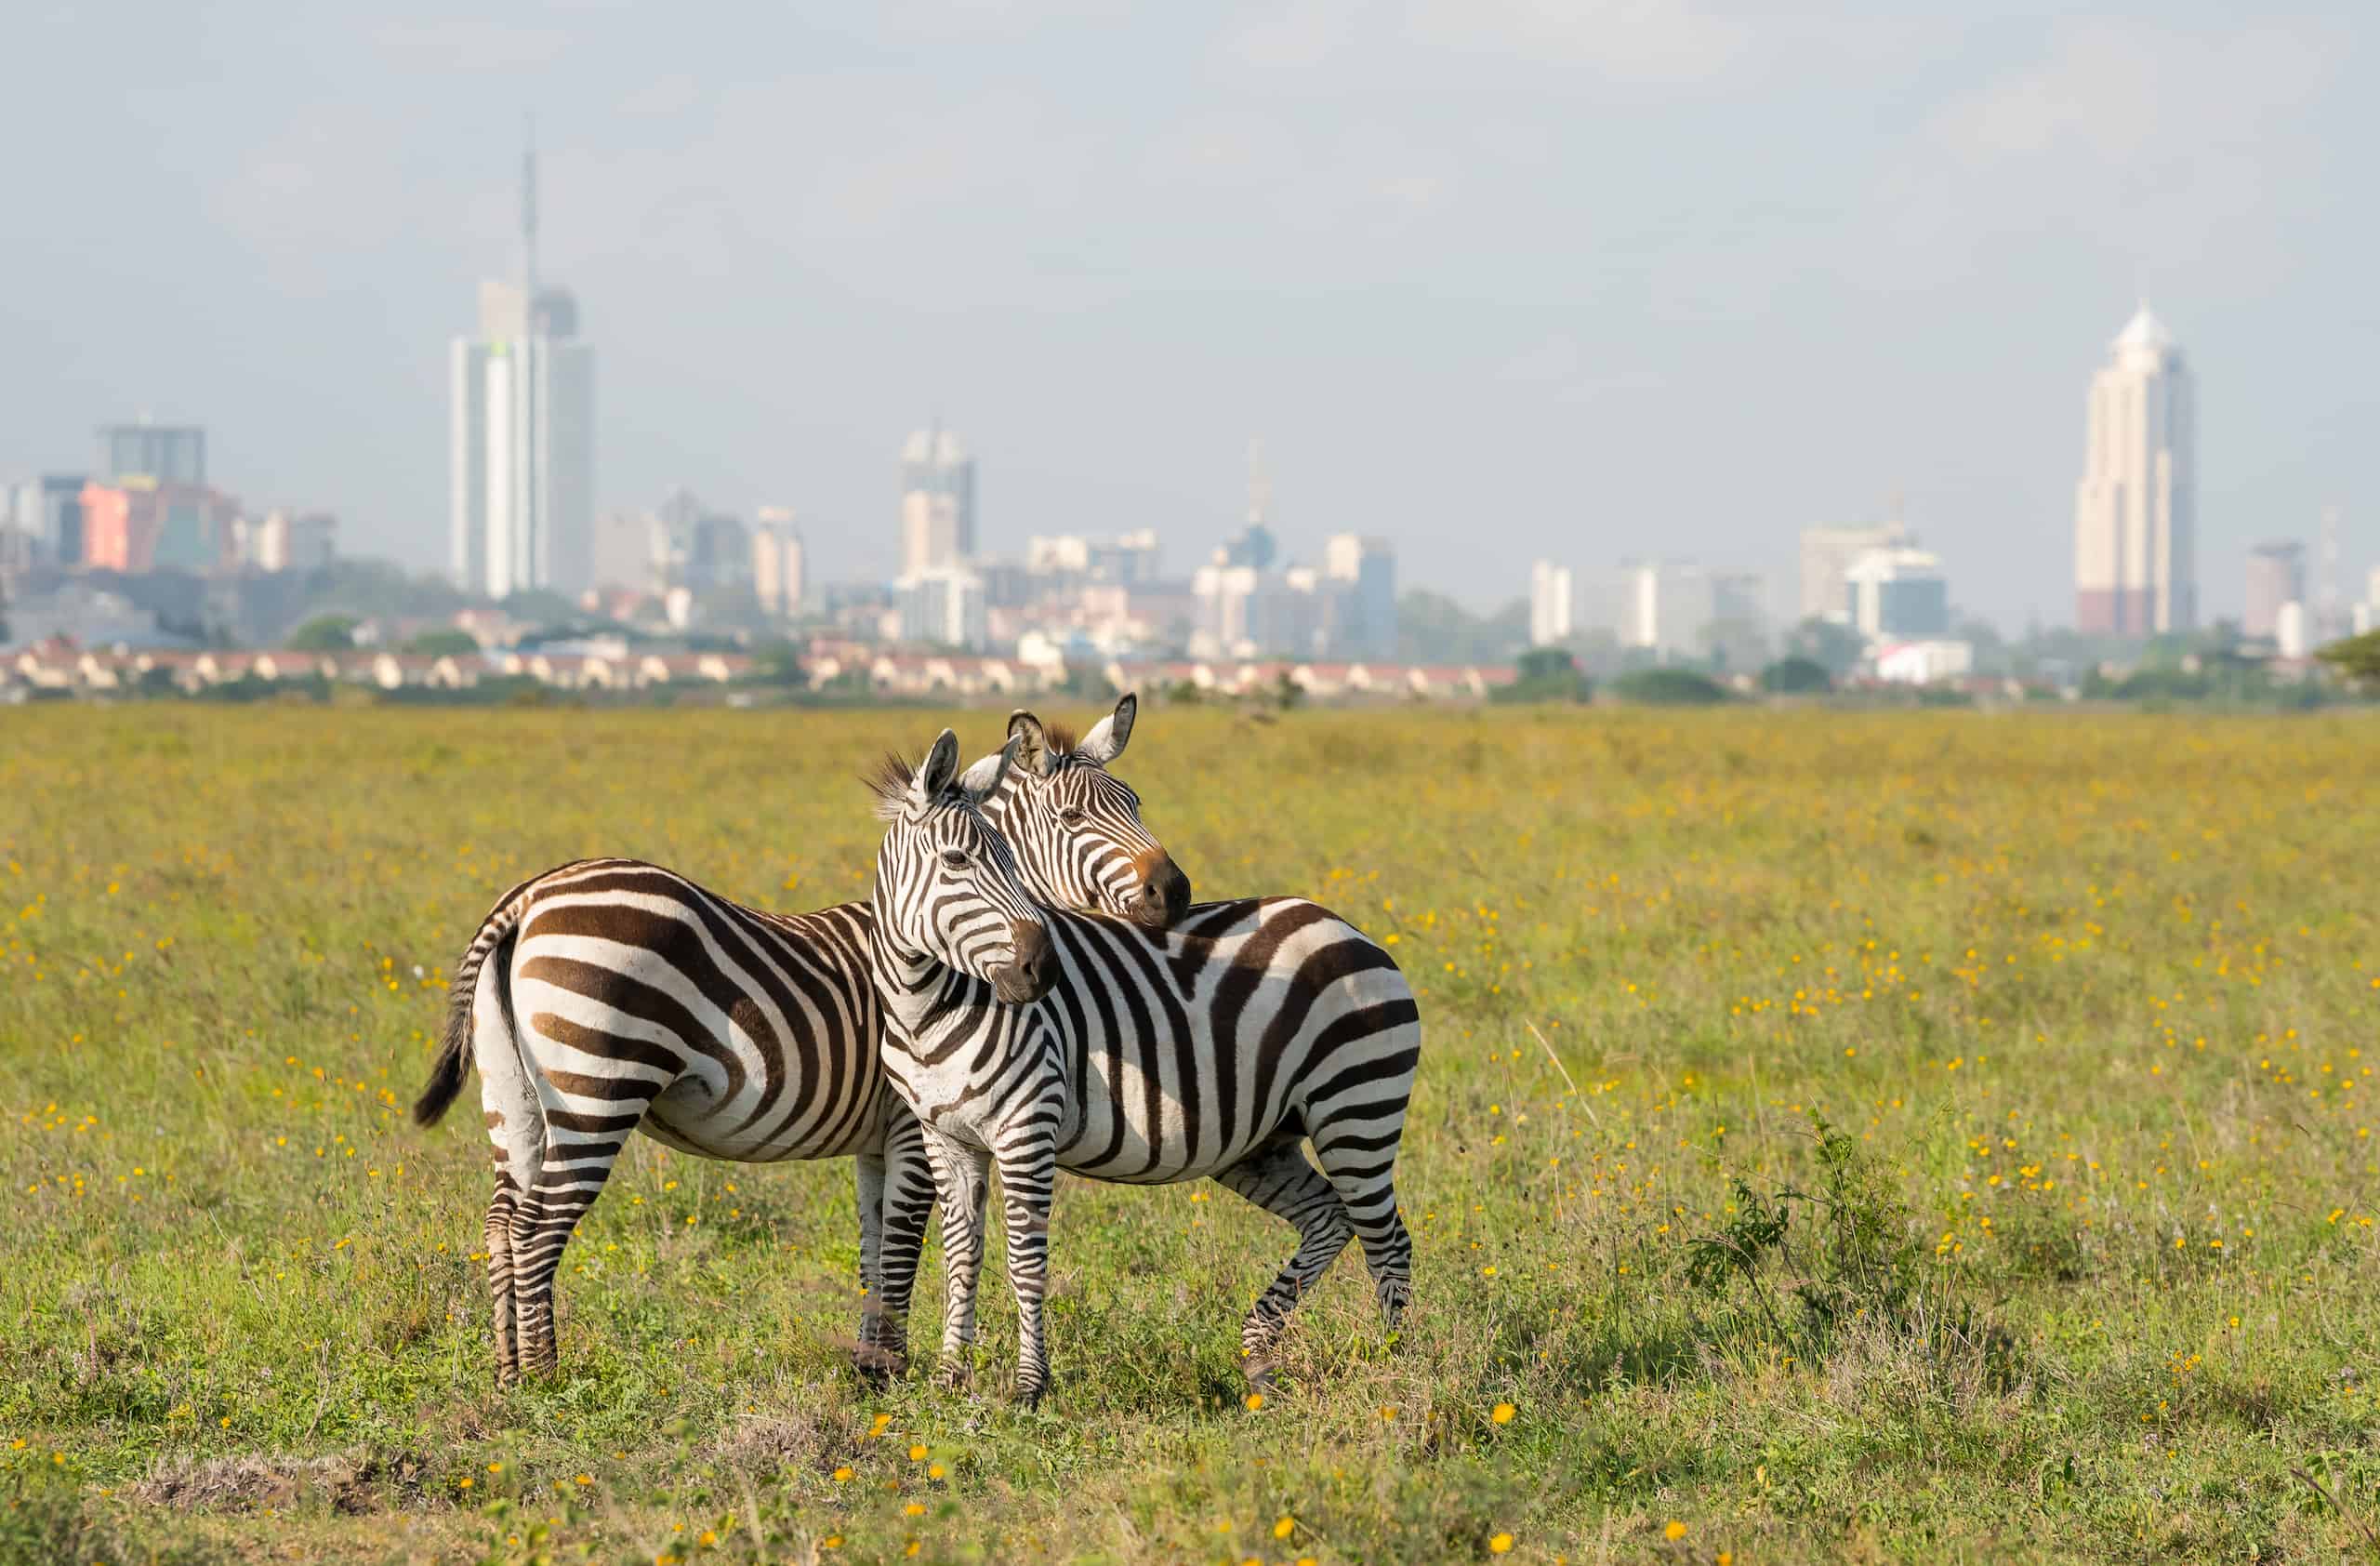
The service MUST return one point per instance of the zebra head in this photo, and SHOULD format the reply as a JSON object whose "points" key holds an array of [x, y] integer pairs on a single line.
{"points": [[1076, 827], [947, 887]]}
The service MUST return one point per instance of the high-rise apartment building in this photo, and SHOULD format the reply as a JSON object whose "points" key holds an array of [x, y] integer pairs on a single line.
{"points": [[48, 513], [942, 606], [1549, 609], [937, 502], [1827, 557], [289, 541], [522, 440], [1359, 576], [2136, 509], [1675, 610], [777, 562], [138, 524], [1896, 593], [2275, 576], [168, 453]]}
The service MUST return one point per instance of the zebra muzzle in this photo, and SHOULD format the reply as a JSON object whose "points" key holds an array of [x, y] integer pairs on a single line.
{"points": [[1164, 894], [1033, 967]]}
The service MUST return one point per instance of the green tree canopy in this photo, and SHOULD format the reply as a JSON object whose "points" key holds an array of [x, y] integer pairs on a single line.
{"points": [[2357, 659], [1546, 674], [323, 633], [1796, 676], [1669, 687], [444, 641]]}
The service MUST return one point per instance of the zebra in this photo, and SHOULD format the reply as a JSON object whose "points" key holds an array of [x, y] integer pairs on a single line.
{"points": [[607, 996], [1075, 827], [1212, 1049]]}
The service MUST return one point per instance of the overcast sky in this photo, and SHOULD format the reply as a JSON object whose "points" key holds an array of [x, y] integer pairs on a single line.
{"points": [[1494, 278]]}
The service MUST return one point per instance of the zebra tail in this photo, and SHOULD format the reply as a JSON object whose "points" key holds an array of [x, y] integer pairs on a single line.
{"points": [[455, 1058]]}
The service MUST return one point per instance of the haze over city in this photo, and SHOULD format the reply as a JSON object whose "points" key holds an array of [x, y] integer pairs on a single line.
{"points": [[1492, 281]]}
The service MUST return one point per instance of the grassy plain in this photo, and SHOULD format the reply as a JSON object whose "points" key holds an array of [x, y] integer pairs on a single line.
{"points": [[2096, 999]]}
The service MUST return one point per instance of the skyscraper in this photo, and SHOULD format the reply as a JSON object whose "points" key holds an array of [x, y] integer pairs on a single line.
{"points": [[937, 502], [2275, 577], [1827, 557], [1548, 603], [1361, 575], [523, 453], [2136, 509], [168, 453], [777, 560]]}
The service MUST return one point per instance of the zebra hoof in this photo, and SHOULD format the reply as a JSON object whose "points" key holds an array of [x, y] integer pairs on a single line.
{"points": [[952, 1375], [1259, 1376]]}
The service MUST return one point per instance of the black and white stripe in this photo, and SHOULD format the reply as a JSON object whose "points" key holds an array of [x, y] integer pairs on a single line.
{"points": [[1076, 827], [610, 996], [1212, 1050]]}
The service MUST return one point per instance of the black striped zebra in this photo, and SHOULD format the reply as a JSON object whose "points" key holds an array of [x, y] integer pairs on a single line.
{"points": [[611, 995], [1076, 827], [1210, 1049]]}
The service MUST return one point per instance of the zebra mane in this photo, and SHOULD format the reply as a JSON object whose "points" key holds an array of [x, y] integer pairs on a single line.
{"points": [[890, 780], [1061, 739]]}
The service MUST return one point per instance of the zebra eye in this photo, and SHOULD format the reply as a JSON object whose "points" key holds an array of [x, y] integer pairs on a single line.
{"points": [[1071, 816], [954, 858]]}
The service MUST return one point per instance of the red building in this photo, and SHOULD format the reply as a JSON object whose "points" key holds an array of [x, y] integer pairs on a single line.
{"points": [[138, 525]]}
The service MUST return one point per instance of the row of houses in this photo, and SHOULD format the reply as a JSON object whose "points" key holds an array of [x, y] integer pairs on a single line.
{"points": [[60, 667]]}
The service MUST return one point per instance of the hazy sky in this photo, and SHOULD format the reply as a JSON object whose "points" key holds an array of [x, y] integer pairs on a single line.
{"points": [[1495, 278]]}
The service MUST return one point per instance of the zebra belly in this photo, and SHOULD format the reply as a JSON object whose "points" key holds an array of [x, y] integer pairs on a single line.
{"points": [[685, 1118]]}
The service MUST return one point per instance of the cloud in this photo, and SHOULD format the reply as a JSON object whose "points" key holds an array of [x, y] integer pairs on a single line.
{"points": [[1646, 41], [2115, 91], [438, 45], [672, 94], [2153, 143], [1294, 35]]}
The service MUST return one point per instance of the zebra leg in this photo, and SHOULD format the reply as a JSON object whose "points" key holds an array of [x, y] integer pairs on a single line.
{"points": [[962, 1174], [907, 1204], [581, 1145], [1278, 1178], [1361, 1166], [1028, 1175], [869, 1169], [515, 1130]]}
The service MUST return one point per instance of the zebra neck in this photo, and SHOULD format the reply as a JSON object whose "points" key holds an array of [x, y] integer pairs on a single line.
{"points": [[919, 992]]}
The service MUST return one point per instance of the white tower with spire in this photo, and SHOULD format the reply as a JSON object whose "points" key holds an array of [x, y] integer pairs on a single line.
{"points": [[522, 501], [2136, 509]]}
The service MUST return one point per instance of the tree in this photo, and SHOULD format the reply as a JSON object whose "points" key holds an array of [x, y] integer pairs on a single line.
{"points": [[323, 633], [1835, 648], [1545, 674], [446, 641], [1796, 676], [1669, 687], [1432, 627], [776, 662], [2357, 659]]}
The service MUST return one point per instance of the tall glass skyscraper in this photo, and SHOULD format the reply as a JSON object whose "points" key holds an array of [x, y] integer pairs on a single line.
{"points": [[2136, 509], [522, 456]]}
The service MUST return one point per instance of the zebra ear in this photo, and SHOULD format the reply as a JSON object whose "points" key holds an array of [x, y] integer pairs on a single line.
{"points": [[940, 769], [1106, 741], [983, 781], [1032, 742]]}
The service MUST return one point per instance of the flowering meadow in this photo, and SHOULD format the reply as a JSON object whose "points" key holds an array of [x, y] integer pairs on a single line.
{"points": [[1889, 1136]]}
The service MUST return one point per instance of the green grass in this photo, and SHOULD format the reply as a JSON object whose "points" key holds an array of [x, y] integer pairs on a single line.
{"points": [[2088, 997]]}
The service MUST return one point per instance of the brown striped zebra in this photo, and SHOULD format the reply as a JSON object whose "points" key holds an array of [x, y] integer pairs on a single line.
{"points": [[1214, 1049], [608, 996]]}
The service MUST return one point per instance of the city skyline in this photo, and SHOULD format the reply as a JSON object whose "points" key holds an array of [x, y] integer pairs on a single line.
{"points": [[1810, 265]]}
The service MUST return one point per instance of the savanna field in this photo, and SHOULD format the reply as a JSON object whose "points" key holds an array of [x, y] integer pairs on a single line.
{"points": [[1909, 1136]]}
